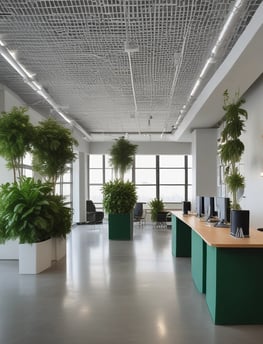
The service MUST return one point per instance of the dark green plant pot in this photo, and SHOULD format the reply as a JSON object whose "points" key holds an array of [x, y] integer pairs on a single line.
{"points": [[121, 226], [240, 223], [186, 207]]}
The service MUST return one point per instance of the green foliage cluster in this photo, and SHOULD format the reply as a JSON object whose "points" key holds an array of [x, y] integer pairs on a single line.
{"points": [[16, 136], [30, 212], [156, 205], [231, 148], [122, 155], [119, 197], [61, 216], [24, 210], [52, 150]]}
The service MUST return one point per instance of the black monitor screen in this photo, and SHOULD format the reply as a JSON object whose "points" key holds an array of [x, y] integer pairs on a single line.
{"points": [[209, 206], [223, 210], [200, 206]]}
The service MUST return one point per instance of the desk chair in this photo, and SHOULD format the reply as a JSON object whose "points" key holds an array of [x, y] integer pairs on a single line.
{"points": [[162, 218], [138, 213], [92, 215]]}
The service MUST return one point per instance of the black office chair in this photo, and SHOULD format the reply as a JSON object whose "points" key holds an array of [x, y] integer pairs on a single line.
{"points": [[162, 219], [93, 216], [138, 213]]}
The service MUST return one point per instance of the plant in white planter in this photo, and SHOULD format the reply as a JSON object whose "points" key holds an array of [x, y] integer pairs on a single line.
{"points": [[29, 210], [61, 225], [26, 213]]}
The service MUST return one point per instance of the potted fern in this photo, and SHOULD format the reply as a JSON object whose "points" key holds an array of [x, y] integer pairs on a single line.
{"points": [[156, 205], [231, 149], [119, 196]]}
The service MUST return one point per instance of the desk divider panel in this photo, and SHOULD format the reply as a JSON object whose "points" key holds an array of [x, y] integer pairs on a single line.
{"points": [[181, 238], [198, 262], [234, 285]]}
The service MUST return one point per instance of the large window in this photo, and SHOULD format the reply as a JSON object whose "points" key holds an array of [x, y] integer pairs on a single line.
{"points": [[96, 177], [64, 185], [168, 177], [27, 165], [145, 177], [172, 178]]}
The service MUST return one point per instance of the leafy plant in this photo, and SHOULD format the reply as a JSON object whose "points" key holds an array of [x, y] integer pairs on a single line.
{"points": [[122, 155], [231, 147], [156, 205], [52, 150], [26, 212], [61, 216], [119, 197], [16, 136]]}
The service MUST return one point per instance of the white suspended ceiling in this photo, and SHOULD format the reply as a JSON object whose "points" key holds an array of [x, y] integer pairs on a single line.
{"points": [[118, 67]]}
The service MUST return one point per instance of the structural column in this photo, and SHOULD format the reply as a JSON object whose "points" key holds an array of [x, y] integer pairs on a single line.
{"points": [[204, 152]]}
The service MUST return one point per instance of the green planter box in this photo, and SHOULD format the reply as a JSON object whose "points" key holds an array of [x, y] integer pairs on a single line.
{"points": [[121, 226]]}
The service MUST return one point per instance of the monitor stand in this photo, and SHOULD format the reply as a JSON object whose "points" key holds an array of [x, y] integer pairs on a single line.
{"points": [[221, 224]]}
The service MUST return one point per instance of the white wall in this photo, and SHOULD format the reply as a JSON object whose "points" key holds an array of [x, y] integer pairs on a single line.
{"points": [[204, 152], [253, 155]]}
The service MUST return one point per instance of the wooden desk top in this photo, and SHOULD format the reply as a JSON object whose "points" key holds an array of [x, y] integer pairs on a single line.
{"points": [[220, 237]]}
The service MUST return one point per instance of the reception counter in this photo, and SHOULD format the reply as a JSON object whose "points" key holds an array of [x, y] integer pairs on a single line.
{"points": [[227, 269]]}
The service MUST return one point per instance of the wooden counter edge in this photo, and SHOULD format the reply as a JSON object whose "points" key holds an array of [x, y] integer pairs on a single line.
{"points": [[220, 237]]}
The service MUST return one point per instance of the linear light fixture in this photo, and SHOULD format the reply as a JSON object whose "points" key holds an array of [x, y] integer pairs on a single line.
{"points": [[29, 80], [211, 59]]}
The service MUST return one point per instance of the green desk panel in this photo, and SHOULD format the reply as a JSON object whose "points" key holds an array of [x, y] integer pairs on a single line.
{"points": [[181, 238], [234, 285], [198, 262]]}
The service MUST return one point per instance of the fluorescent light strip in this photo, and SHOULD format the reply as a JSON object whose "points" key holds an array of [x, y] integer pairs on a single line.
{"points": [[23, 72], [63, 116], [10, 59], [213, 52]]}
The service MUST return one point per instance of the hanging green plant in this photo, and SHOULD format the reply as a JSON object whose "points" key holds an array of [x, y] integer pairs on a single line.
{"points": [[122, 155], [231, 148]]}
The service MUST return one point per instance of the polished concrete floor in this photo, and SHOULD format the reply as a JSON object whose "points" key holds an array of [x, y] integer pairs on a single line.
{"points": [[113, 292]]}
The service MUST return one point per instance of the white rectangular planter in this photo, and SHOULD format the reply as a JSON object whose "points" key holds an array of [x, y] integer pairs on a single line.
{"points": [[9, 250], [58, 248], [34, 258]]}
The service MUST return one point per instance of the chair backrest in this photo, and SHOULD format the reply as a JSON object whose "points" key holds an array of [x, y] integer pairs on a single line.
{"points": [[138, 210], [90, 206], [162, 216]]}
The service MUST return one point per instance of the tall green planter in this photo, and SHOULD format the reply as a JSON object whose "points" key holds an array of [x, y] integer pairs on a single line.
{"points": [[121, 226]]}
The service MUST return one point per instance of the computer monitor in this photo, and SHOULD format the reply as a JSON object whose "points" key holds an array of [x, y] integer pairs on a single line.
{"points": [[209, 208], [200, 206], [223, 211]]}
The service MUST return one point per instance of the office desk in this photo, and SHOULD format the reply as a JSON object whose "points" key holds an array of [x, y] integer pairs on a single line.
{"points": [[227, 269]]}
